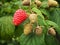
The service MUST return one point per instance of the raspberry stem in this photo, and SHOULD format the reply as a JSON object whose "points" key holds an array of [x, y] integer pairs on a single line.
{"points": [[20, 6]]}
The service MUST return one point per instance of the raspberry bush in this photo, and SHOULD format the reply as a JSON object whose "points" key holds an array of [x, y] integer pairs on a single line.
{"points": [[29, 22]]}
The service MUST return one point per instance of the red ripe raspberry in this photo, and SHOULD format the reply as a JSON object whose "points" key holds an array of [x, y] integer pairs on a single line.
{"points": [[19, 16]]}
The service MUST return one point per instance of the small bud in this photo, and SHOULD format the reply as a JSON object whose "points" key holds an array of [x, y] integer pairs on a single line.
{"points": [[52, 31], [26, 2], [33, 18], [52, 3], [38, 30], [27, 29], [38, 3], [49, 2], [55, 3]]}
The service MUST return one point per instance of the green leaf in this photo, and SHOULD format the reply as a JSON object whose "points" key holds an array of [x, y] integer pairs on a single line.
{"points": [[38, 12], [45, 12], [32, 39], [55, 15], [19, 30], [51, 23], [40, 39], [44, 4], [24, 39], [7, 27], [50, 40], [40, 21]]}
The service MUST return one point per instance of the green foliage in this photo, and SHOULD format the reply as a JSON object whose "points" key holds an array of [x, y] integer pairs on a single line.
{"points": [[45, 12], [32, 39], [40, 21], [50, 40], [55, 15], [8, 8], [19, 30], [44, 4], [53, 24], [6, 27]]}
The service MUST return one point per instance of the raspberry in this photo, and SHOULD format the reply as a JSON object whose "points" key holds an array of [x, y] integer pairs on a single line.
{"points": [[19, 16]]}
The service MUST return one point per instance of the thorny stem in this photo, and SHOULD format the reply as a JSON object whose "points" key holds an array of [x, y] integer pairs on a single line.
{"points": [[30, 6]]}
